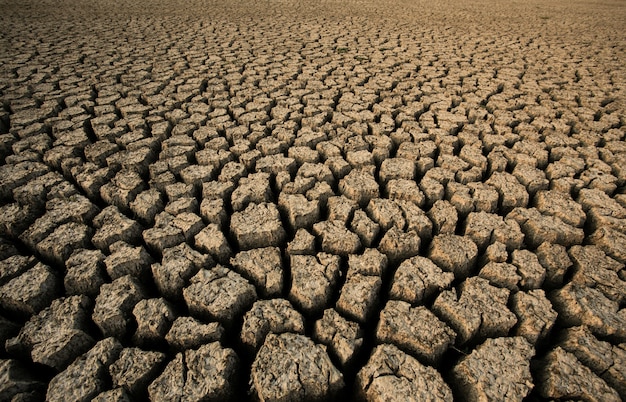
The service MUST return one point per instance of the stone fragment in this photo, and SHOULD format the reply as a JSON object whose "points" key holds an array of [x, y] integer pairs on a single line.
{"points": [[274, 316], [219, 294], [290, 367], [87, 376], [336, 238], [177, 266], [154, 318], [313, 280], [263, 267], [31, 292], [115, 303], [56, 335], [391, 374], [582, 305], [134, 369], [453, 253], [207, 374], [212, 241], [343, 337], [414, 330], [257, 226], [479, 312], [417, 279], [189, 333], [497, 369], [562, 376]]}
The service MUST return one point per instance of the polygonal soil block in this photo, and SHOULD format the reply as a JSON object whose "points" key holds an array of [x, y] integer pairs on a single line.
{"points": [[219, 294], [391, 374], [290, 367], [257, 226], [496, 368], [414, 330]]}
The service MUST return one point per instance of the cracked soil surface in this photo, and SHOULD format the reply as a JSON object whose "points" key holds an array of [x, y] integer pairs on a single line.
{"points": [[280, 200]]}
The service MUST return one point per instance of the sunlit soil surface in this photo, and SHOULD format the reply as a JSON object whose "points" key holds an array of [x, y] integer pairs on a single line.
{"points": [[286, 201]]}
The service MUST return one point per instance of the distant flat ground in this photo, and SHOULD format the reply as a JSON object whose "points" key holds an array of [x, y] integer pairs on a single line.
{"points": [[285, 200]]}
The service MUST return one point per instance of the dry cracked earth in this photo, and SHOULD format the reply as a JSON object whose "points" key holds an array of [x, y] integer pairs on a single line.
{"points": [[287, 200]]}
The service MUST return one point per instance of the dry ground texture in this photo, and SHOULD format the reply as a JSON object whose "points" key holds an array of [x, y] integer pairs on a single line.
{"points": [[281, 200]]}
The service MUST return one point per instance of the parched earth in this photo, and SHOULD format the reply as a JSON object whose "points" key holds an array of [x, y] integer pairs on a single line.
{"points": [[281, 200]]}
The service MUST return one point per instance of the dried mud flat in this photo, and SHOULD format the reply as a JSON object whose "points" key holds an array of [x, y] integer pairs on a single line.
{"points": [[285, 201]]}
